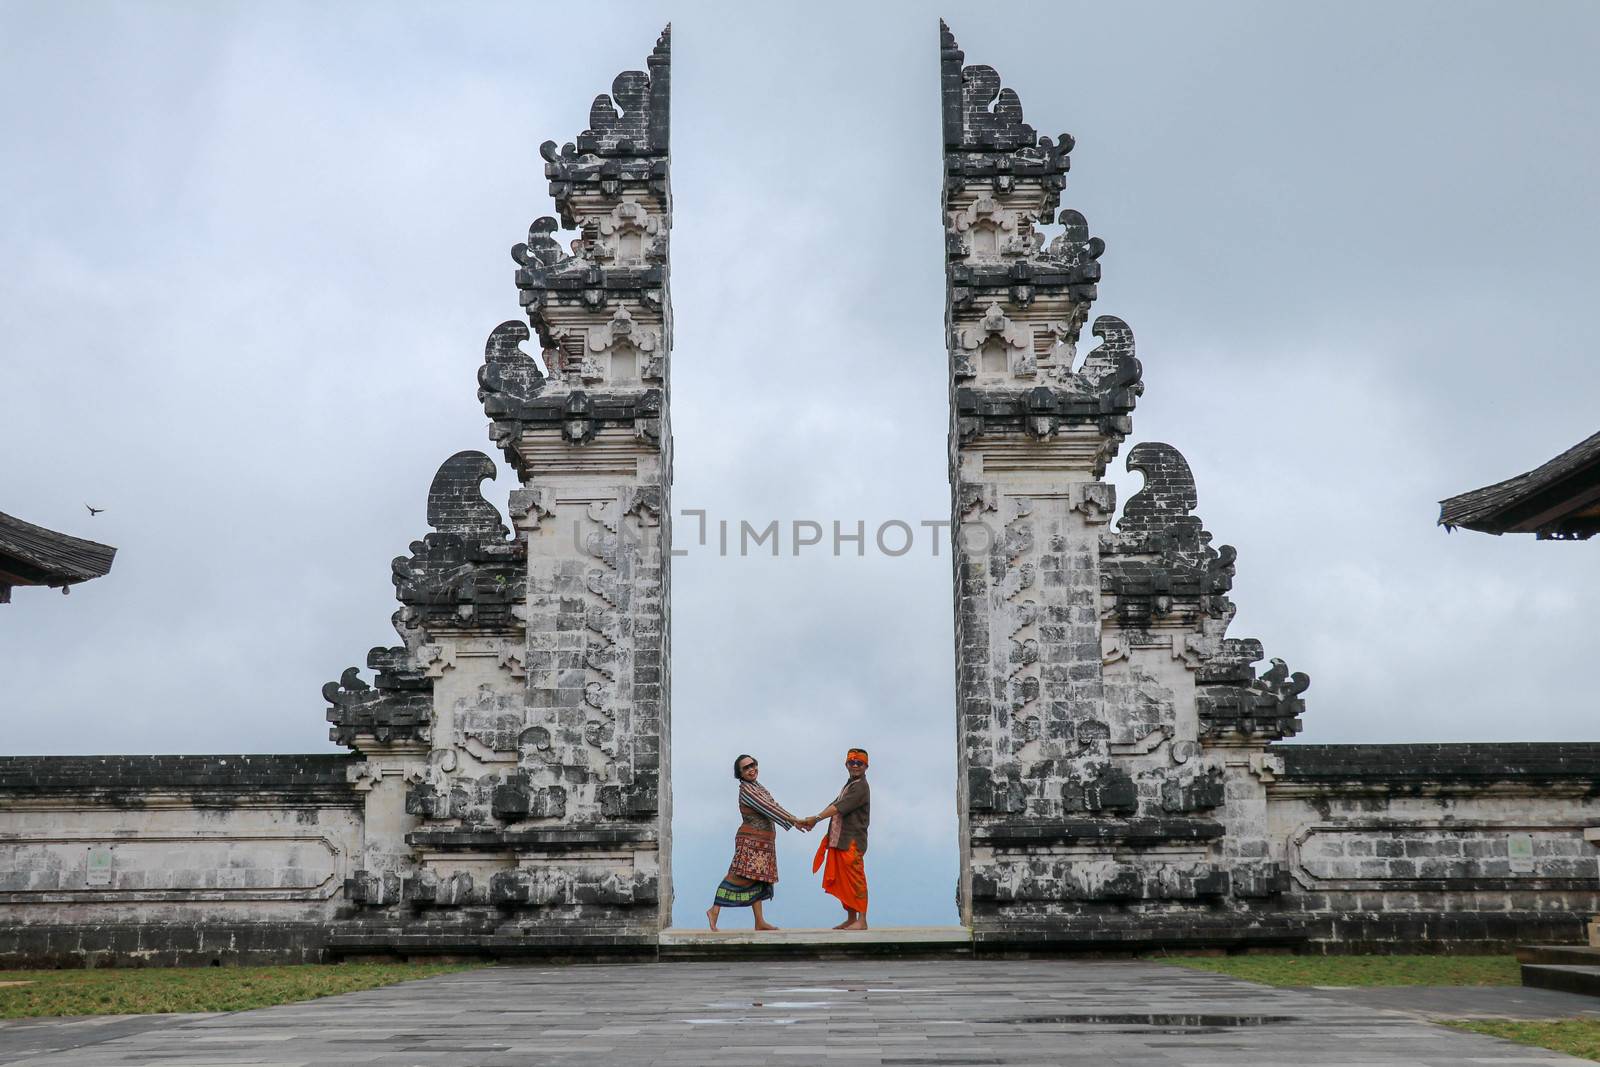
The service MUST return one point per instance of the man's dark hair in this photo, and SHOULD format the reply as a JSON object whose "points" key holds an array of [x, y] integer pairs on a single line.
{"points": [[740, 758]]}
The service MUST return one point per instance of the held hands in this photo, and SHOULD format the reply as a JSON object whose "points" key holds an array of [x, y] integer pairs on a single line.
{"points": [[807, 823]]}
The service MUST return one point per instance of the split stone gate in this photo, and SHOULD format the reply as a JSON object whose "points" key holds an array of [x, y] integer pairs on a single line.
{"points": [[508, 784]]}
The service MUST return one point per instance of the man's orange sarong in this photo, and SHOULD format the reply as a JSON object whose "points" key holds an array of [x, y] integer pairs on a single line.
{"points": [[844, 874]]}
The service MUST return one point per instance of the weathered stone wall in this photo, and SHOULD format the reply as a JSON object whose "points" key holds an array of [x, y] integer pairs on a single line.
{"points": [[136, 860], [1396, 846]]}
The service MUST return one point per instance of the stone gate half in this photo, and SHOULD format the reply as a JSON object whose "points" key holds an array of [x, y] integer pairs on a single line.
{"points": [[1117, 778], [514, 747]]}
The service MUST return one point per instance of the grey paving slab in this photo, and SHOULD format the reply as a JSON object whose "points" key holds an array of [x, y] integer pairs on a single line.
{"points": [[905, 1013], [23, 1038], [1471, 1002]]}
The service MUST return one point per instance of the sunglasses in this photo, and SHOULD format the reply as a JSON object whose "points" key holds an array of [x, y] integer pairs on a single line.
{"points": [[855, 763], [748, 766]]}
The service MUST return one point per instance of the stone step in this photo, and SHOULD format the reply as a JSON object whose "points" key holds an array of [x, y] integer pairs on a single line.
{"points": [[692, 944], [1564, 955], [1567, 979]]}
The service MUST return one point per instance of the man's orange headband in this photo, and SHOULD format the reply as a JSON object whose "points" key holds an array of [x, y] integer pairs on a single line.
{"points": [[857, 753]]}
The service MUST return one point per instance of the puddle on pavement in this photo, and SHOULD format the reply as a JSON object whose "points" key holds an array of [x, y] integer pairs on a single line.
{"points": [[1152, 1022], [854, 989]]}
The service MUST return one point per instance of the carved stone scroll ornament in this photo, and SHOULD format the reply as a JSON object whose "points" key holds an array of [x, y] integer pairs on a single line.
{"points": [[399, 710], [1161, 559], [627, 139], [1233, 702], [466, 573], [1160, 564], [985, 136]]}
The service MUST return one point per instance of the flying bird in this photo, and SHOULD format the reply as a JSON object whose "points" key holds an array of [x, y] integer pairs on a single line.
{"points": [[94, 511]]}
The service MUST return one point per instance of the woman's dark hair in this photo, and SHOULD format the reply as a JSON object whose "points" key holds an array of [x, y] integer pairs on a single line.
{"points": [[740, 758]]}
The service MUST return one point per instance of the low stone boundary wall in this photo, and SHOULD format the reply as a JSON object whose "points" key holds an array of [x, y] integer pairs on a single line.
{"points": [[1462, 847], [130, 860]]}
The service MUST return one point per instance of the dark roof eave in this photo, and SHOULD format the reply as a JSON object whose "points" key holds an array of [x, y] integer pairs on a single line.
{"points": [[1533, 501], [48, 557]]}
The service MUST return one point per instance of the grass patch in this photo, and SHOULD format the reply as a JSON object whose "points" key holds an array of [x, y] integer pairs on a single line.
{"points": [[1575, 1037], [1359, 970], [144, 991]]}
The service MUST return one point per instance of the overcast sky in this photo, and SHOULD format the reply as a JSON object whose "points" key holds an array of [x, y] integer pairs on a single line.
{"points": [[250, 254]]}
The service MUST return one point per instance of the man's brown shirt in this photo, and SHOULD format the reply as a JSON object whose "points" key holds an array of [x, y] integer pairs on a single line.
{"points": [[854, 807]]}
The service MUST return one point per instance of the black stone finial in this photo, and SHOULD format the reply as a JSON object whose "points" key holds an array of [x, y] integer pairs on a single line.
{"points": [[455, 499], [983, 121], [1168, 497]]}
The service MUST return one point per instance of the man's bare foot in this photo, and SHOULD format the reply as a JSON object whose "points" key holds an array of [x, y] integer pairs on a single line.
{"points": [[858, 924], [711, 917], [765, 926], [844, 925]]}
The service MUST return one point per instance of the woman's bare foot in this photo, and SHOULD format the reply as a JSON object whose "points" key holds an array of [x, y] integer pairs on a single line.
{"points": [[711, 917], [765, 926]]}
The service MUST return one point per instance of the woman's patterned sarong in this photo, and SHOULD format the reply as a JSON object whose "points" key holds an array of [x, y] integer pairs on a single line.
{"points": [[755, 854], [731, 895]]}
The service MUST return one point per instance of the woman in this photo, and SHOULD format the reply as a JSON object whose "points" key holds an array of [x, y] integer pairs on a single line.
{"points": [[754, 869]]}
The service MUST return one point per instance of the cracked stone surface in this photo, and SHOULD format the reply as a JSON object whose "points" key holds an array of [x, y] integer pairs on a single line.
{"points": [[849, 1011]]}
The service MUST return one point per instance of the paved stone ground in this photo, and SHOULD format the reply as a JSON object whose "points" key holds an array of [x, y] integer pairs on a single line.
{"points": [[1470, 1002], [859, 1012]]}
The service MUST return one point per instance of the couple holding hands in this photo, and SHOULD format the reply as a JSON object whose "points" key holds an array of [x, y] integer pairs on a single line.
{"points": [[840, 854]]}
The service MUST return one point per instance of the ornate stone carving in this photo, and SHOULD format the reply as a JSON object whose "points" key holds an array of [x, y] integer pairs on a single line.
{"points": [[399, 710], [1233, 701], [1094, 679], [631, 349], [1161, 560], [466, 573], [984, 134]]}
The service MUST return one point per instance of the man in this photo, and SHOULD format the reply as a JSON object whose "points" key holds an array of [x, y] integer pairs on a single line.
{"points": [[841, 853]]}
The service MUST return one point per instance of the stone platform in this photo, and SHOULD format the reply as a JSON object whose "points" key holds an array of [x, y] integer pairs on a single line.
{"points": [[866, 1012], [726, 944]]}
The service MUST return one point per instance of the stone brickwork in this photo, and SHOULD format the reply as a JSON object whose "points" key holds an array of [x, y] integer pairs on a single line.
{"points": [[136, 860], [1394, 846]]}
